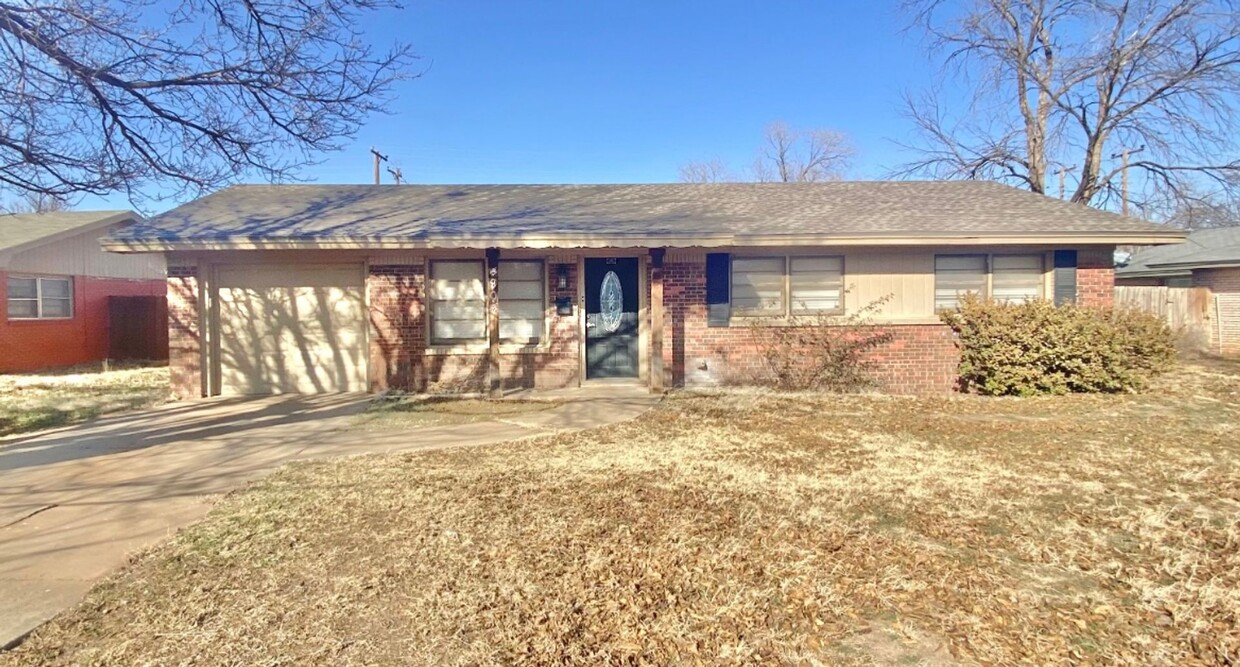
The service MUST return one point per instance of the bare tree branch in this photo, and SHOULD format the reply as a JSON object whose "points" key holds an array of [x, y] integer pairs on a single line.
{"points": [[787, 155], [708, 171], [117, 95], [35, 202], [1072, 82]]}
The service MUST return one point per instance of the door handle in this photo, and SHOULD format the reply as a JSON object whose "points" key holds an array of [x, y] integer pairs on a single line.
{"points": [[590, 325]]}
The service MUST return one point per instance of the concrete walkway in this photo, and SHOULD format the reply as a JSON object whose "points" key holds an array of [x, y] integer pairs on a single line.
{"points": [[74, 503]]}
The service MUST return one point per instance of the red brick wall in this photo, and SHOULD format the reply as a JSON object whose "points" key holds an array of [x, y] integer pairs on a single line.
{"points": [[398, 327], [400, 357], [1225, 283], [920, 358], [1095, 277], [184, 331], [31, 345]]}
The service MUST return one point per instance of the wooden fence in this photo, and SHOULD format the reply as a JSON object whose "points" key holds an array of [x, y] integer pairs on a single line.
{"points": [[1185, 309], [138, 328]]}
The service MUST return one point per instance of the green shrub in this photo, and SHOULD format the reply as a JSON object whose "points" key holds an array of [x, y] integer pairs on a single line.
{"points": [[1040, 348]]}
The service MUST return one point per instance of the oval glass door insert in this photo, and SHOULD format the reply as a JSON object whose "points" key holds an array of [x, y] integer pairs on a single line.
{"points": [[611, 300]]}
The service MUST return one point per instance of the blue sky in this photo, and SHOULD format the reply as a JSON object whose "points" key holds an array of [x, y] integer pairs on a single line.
{"points": [[589, 92]]}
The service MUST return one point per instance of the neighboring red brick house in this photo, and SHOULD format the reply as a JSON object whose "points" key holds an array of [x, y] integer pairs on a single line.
{"points": [[1209, 258], [309, 288], [62, 291]]}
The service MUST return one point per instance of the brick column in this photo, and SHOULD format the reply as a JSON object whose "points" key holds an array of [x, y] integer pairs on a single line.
{"points": [[398, 327], [184, 332], [657, 318], [1095, 277]]}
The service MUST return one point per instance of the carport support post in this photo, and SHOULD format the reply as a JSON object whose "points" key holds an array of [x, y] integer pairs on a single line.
{"points": [[656, 319], [493, 374]]}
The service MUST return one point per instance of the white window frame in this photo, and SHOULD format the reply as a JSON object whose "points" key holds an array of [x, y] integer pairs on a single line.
{"points": [[1040, 282], [486, 321], [431, 301], [786, 310], [989, 272], [541, 329], [38, 298]]}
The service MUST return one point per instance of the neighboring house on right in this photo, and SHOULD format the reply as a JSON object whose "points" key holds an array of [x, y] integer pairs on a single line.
{"points": [[1209, 258]]}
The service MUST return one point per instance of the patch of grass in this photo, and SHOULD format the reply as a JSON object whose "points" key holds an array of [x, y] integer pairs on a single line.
{"points": [[399, 412], [723, 528], [35, 402]]}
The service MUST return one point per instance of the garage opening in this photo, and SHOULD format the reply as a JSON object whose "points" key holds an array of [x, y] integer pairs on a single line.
{"points": [[290, 328]]}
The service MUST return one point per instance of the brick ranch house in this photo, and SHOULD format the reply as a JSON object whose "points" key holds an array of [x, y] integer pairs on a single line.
{"points": [[313, 288], [1209, 258], [63, 292]]}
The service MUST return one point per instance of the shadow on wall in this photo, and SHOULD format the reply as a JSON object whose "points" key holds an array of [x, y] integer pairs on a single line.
{"points": [[291, 339], [399, 358]]}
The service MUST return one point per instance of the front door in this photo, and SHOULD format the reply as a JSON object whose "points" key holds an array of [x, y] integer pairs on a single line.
{"points": [[611, 317]]}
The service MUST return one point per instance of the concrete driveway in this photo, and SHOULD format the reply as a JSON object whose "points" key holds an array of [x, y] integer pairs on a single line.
{"points": [[76, 502]]}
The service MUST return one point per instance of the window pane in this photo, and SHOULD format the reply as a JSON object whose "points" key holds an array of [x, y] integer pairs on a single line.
{"points": [[23, 308], [1017, 263], [55, 287], [1017, 278], [528, 310], [521, 320], [458, 330], [23, 288], [758, 264], [817, 284], [758, 285], [457, 270], [56, 308], [972, 263], [513, 289], [520, 271], [458, 305], [458, 310], [955, 275], [521, 306]]}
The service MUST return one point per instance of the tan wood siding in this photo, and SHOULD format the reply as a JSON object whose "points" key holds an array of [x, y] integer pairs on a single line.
{"points": [[905, 278], [81, 255]]}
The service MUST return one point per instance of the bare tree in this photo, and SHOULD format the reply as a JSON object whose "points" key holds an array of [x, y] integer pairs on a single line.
{"points": [[708, 171], [1072, 83], [115, 95], [796, 156], [1192, 209], [35, 202], [787, 155]]}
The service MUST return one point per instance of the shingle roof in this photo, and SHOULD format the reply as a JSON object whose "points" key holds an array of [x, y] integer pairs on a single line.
{"points": [[1206, 247], [485, 213], [22, 229]]}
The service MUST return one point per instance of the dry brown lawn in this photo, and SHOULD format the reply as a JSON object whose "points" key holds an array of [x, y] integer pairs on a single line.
{"points": [[32, 402], [398, 412], [736, 528]]}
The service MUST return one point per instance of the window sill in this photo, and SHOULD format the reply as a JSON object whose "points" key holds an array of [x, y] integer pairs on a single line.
{"points": [[482, 348], [833, 320], [37, 320]]}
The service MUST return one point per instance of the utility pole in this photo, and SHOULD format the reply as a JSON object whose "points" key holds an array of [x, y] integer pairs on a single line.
{"points": [[1124, 173], [396, 174], [379, 157], [1063, 172]]}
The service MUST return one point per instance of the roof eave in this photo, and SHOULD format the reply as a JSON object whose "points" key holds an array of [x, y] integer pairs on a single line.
{"points": [[1198, 264], [102, 223], [1153, 273], [635, 241]]}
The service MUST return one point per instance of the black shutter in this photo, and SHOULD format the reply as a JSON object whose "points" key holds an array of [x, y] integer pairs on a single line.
{"points": [[718, 289], [1065, 277]]}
